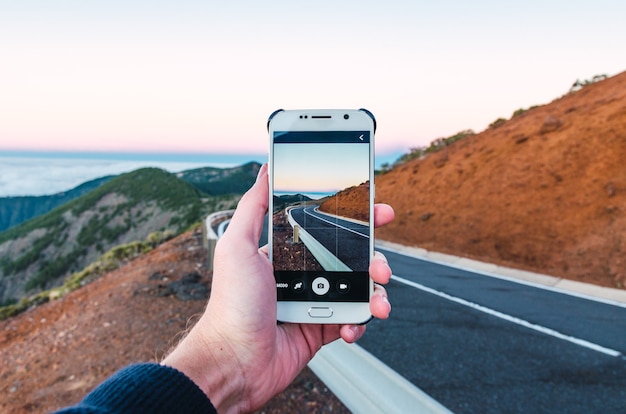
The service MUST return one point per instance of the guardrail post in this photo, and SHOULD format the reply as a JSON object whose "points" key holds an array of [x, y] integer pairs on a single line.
{"points": [[211, 243], [296, 234]]}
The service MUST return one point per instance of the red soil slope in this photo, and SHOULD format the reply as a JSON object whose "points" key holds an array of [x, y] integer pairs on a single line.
{"points": [[54, 354], [544, 191], [352, 202]]}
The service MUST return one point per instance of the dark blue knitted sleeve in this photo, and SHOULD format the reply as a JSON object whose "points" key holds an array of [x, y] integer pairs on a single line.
{"points": [[145, 388]]}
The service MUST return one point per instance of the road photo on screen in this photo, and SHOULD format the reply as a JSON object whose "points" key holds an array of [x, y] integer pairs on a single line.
{"points": [[321, 201]]}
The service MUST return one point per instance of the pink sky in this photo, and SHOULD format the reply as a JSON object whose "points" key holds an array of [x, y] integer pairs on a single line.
{"points": [[189, 76]]}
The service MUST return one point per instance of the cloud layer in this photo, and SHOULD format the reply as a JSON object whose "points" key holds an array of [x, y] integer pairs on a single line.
{"points": [[37, 176]]}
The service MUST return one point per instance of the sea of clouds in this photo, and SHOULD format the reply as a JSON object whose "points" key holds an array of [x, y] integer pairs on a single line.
{"points": [[35, 176]]}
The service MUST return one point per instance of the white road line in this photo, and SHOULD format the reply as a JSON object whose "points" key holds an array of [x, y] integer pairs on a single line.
{"points": [[509, 318], [335, 224], [503, 277]]}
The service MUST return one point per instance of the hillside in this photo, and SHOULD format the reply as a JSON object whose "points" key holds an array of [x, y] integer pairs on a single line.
{"points": [[352, 202], [543, 191], [209, 180], [16, 210], [222, 181], [41, 252], [53, 354]]}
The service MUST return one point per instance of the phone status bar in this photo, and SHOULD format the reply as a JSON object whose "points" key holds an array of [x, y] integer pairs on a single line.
{"points": [[320, 137]]}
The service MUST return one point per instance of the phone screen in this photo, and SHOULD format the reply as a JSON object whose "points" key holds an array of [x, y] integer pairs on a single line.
{"points": [[321, 230]]}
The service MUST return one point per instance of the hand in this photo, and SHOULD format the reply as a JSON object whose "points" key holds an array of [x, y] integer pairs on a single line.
{"points": [[236, 353]]}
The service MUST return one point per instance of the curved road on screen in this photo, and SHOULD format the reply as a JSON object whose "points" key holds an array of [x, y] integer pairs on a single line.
{"points": [[345, 239]]}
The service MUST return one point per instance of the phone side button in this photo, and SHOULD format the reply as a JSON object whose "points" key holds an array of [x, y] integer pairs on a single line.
{"points": [[320, 312]]}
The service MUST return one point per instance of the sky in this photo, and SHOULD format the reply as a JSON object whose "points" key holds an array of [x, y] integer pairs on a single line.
{"points": [[193, 76], [319, 168]]}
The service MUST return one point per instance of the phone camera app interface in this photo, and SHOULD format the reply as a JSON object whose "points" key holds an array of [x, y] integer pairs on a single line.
{"points": [[321, 214]]}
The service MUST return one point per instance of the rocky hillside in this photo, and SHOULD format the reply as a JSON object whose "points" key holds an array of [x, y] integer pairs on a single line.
{"points": [[52, 355], [544, 190], [41, 252]]}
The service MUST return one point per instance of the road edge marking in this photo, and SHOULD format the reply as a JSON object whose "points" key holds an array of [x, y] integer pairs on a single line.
{"points": [[533, 279], [512, 319]]}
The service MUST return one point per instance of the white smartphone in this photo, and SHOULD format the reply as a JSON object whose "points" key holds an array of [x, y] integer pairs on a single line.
{"points": [[321, 207]]}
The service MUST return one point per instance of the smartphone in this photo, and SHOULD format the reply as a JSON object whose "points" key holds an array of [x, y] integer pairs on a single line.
{"points": [[320, 229]]}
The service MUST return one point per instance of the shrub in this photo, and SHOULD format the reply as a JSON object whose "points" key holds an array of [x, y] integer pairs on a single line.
{"points": [[578, 85], [435, 145], [497, 123], [519, 112]]}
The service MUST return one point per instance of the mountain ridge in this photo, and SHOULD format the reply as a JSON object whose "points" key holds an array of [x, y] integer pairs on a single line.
{"points": [[210, 180], [18, 209], [39, 253]]}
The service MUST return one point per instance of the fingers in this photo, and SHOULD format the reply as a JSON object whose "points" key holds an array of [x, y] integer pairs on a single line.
{"points": [[380, 308], [351, 333], [379, 269], [379, 304], [383, 214], [380, 272]]}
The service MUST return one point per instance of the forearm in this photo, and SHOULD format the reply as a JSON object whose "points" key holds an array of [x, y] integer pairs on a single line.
{"points": [[145, 388]]}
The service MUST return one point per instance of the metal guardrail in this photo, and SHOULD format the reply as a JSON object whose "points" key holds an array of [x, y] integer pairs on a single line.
{"points": [[209, 234], [326, 259], [366, 385]]}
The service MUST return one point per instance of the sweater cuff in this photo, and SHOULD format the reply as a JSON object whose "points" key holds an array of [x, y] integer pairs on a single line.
{"points": [[149, 388]]}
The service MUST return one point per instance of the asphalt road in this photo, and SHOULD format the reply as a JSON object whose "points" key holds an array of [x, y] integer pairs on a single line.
{"points": [[479, 344], [345, 239]]}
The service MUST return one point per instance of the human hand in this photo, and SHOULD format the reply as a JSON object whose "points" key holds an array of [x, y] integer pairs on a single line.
{"points": [[236, 353]]}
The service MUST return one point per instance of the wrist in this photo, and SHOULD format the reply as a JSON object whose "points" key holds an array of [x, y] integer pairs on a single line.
{"points": [[213, 368]]}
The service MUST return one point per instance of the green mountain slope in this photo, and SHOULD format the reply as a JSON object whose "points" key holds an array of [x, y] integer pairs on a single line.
{"points": [[212, 181], [16, 210], [219, 181], [41, 252]]}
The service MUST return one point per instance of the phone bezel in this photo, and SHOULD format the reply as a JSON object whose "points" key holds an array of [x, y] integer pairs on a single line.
{"points": [[323, 120]]}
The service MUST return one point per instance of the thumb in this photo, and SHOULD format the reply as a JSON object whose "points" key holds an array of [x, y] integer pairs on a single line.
{"points": [[247, 221]]}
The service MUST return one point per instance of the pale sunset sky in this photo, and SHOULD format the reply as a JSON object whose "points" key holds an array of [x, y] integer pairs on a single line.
{"points": [[303, 168], [202, 76]]}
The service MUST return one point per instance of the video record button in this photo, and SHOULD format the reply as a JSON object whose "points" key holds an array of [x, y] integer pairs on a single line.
{"points": [[343, 286], [320, 312]]}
